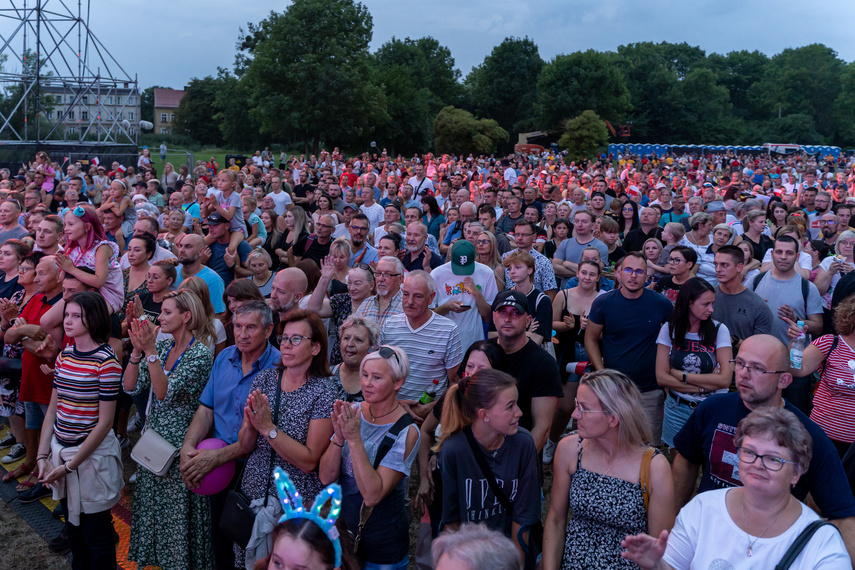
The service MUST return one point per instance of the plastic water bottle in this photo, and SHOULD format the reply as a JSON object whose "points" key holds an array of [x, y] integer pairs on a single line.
{"points": [[797, 348], [429, 395]]}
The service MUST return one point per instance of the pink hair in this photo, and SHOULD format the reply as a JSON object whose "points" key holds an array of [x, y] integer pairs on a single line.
{"points": [[96, 234]]}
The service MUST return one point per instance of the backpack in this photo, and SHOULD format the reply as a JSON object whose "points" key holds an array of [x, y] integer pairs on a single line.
{"points": [[805, 285]]}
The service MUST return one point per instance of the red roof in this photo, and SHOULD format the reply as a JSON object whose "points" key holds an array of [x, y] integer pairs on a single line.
{"points": [[167, 98]]}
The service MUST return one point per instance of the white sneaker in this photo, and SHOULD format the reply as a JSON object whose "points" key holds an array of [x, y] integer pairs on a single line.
{"points": [[549, 452], [135, 423]]}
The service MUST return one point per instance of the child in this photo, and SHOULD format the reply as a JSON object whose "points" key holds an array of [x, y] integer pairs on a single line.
{"points": [[118, 202], [255, 229], [226, 202], [672, 235], [520, 266], [609, 231]]}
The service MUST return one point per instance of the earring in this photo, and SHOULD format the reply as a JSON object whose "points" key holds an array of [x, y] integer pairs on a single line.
{"points": [[487, 420]]}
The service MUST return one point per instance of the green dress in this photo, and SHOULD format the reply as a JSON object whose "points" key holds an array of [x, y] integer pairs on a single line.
{"points": [[171, 525]]}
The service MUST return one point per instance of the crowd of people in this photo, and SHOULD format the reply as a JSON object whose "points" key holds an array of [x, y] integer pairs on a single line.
{"points": [[672, 337]]}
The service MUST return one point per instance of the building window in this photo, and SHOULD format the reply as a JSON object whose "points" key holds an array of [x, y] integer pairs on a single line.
{"points": [[71, 130], [110, 100], [85, 99], [164, 131], [130, 116], [119, 99], [69, 115], [163, 118], [130, 100], [49, 114], [171, 117], [84, 115], [119, 116]]}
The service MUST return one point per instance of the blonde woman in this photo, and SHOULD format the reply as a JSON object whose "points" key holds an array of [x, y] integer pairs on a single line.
{"points": [[213, 333], [295, 227], [487, 251]]}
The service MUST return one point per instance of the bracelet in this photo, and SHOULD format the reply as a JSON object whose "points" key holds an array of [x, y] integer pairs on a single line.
{"points": [[338, 444], [41, 457], [685, 380], [132, 361], [68, 469]]}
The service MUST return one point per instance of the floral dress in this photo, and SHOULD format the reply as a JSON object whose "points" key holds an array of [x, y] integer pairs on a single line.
{"points": [[171, 525], [605, 510], [311, 401], [9, 387], [342, 307], [340, 392], [129, 295]]}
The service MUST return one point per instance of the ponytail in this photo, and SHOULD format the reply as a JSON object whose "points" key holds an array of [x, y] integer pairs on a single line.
{"points": [[473, 393]]}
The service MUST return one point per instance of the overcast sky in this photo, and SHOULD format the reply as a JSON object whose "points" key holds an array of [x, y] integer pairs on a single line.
{"points": [[168, 42]]}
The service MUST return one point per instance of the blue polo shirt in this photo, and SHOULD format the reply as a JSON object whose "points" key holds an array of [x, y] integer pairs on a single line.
{"points": [[227, 389]]}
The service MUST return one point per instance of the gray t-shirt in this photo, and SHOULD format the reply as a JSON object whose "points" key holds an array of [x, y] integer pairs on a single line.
{"points": [[571, 250], [777, 293], [745, 313], [466, 494], [17, 232]]}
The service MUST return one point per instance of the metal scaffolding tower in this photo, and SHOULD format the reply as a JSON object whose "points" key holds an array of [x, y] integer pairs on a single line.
{"points": [[59, 85]]}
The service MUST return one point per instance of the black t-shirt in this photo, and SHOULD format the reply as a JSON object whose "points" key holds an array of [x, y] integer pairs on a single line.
{"points": [[418, 263], [707, 439], [8, 288], [635, 239], [301, 190], [316, 251], [151, 307], [536, 373], [667, 287], [615, 257]]}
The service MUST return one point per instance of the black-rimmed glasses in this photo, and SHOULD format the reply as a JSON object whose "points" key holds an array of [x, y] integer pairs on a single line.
{"points": [[294, 340]]}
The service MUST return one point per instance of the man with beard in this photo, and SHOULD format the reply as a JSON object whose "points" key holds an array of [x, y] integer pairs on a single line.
{"points": [[417, 250], [829, 224], [388, 275], [363, 252], [288, 287], [189, 253]]}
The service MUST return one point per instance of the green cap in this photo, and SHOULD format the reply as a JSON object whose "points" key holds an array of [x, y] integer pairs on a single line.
{"points": [[463, 257]]}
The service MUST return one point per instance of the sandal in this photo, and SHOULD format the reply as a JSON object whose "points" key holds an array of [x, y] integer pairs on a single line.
{"points": [[15, 473], [28, 483]]}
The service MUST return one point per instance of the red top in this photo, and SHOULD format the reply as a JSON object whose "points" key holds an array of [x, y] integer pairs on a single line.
{"points": [[834, 401], [35, 385]]}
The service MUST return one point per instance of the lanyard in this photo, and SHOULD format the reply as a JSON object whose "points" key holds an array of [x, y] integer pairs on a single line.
{"points": [[177, 362]]}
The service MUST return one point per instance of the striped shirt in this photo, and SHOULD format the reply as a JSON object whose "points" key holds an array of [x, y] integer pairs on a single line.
{"points": [[370, 308], [834, 401], [82, 380], [432, 349]]}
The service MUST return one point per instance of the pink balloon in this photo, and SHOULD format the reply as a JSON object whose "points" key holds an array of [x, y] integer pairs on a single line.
{"points": [[219, 478]]}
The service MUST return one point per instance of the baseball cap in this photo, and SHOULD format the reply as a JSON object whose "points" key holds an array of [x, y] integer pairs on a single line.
{"points": [[716, 206], [511, 298], [216, 218], [352, 206], [463, 257]]}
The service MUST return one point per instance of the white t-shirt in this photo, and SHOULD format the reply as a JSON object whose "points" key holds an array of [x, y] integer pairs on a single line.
{"points": [[450, 287], [705, 536], [374, 213], [692, 359], [280, 201], [826, 299]]}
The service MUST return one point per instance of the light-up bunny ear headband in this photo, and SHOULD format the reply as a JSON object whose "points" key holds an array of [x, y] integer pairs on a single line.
{"points": [[292, 504]]}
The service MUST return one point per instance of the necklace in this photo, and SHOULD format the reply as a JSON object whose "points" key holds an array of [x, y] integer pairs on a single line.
{"points": [[750, 551], [375, 418]]}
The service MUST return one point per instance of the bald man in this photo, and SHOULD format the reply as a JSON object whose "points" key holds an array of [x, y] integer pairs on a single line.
{"points": [[189, 257], [289, 286], [762, 372]]}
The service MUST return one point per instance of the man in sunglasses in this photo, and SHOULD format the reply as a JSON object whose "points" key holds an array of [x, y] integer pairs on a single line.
{"points": [[762, 372]]}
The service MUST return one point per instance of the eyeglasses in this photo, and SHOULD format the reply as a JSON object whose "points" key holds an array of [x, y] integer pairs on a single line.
{"points": [[770, 462], [25, 268], [363, 266], [675, 260], [358, 229], [482, 242], [753, 368], [629, 272], [583, 410], [294, 340], [385, 275]]}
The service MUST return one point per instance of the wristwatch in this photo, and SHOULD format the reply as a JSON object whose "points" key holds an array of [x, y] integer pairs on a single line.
{"points": [[272, 433], [151, 359], [685, 380]]}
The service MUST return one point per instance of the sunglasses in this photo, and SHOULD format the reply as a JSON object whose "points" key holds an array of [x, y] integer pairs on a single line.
{"points": [[385, 352]]}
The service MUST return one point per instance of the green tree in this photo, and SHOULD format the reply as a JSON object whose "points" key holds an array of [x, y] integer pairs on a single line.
{"points": [[308, 73], [504, 86], [418, 79], [797, 128], [458, 131], [12, 105], [585, 136], [570, 84], [147, 103], [238, 128], [706, 114], [195, 114], [845, 107], [738, 71], [803, 80]]}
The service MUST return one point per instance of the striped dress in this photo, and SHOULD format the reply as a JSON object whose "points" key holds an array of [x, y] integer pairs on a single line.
{"points": [[82, 380]]}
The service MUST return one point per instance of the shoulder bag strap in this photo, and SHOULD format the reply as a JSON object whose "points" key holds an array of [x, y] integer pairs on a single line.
{"points": [[487, 472], [390, 438], [799, 544], [645, 475], [276, 425]]}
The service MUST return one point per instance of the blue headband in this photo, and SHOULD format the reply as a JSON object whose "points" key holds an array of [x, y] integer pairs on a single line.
{"points": [[292, 504], [78, 211]]}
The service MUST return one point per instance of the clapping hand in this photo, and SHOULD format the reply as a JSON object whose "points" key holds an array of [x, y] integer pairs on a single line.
{"points": [[259, 411], [8, 310], [63, 261], [143, 335], [345, 421], [328, 269]]}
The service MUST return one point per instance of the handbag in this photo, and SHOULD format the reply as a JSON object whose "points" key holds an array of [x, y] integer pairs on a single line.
{"points": [[799, 544], [533, 548], [238, 517], [152, 452]]}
